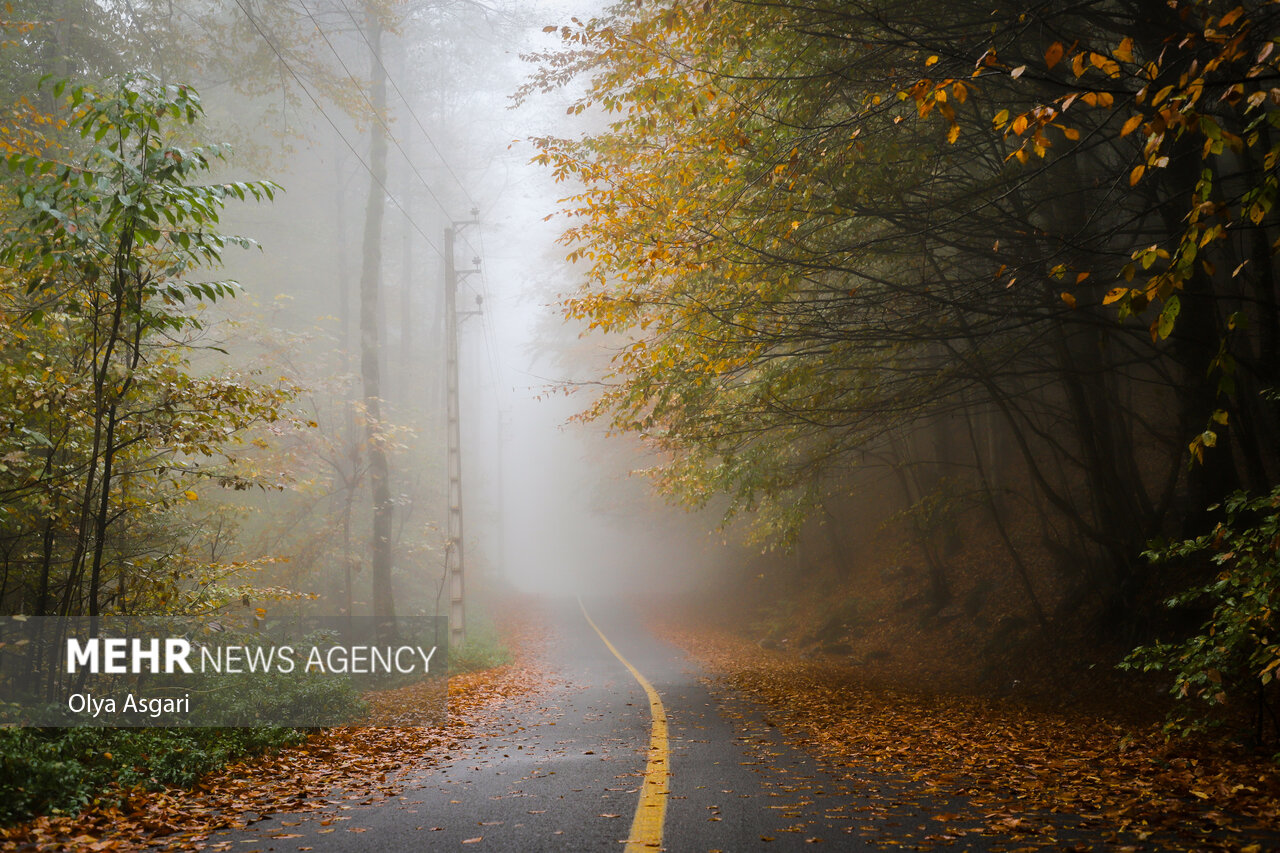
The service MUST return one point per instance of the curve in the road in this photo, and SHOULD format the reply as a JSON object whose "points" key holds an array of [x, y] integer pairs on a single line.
{"points": [[651, 811]]}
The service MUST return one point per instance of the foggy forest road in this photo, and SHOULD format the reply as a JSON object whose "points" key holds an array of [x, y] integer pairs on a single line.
{"points": [[562, 768]]}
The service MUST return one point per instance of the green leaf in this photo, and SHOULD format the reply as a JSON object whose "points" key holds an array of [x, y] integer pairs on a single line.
{"points": [[1169, 316]]}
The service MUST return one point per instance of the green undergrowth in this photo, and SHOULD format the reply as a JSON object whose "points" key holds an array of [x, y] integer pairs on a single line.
{"points": [[60, 771], [49, 771], [484, 649]]}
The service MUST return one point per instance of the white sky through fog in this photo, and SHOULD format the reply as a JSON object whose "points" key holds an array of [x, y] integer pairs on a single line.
{"points": [[571, 519]]}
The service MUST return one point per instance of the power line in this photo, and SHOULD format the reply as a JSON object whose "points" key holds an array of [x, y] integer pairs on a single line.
{"points": [[374, 110], [408, 107], [488, 328], [297, 79]]}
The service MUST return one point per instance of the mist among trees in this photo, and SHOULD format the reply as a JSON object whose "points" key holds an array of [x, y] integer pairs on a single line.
{"points": [[1011, 268], [937, 314]]}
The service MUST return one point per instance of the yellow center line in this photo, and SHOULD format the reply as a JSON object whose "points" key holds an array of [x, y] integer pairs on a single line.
{"points": [[651, 811]]}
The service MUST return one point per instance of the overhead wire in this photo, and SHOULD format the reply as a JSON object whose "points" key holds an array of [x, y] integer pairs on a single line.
{"points": [[444, 161], [382, 122], [487, 325], [298, 79]]}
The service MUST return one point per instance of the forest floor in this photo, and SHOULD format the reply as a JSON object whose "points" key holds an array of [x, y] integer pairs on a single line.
{"points": [[1010, 756], [1039, 642], [974, 697]]}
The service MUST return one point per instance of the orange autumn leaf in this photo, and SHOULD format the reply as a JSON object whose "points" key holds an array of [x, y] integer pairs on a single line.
{"points": [[1053, 55]]}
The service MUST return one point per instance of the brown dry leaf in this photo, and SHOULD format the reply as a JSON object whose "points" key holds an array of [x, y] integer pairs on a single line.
{"points": [[1007, 761]]}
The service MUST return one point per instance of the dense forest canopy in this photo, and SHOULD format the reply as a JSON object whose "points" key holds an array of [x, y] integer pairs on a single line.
{"points": [[171, 455], [1020, 258]]}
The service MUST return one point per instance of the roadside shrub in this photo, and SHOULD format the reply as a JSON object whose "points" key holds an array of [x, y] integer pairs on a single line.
{"points": [[1235, 654]]}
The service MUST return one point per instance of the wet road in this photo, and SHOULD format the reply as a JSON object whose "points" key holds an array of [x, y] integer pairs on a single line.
{"points": [[564, 768]]}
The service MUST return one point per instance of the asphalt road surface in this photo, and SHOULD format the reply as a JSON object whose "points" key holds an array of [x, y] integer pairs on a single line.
{"points": [[598, 762]]}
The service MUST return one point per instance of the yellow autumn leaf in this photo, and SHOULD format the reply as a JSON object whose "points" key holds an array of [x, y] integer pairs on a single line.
{"points": [[191, 496], [1131, 125]]}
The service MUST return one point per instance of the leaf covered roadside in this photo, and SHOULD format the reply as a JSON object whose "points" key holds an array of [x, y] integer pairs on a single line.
{"points": [[1020, 769], [333, 769]]}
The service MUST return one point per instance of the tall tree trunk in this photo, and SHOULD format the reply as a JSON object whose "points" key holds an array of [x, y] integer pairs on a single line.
{"points": [[349, 461], [384, 612]]}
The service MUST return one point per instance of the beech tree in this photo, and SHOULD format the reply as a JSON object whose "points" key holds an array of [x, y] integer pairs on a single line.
{"points": [[105, 433], [833, 236]]}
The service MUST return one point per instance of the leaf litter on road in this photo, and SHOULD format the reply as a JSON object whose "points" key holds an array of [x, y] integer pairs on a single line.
{"points": [[1034, 777]]}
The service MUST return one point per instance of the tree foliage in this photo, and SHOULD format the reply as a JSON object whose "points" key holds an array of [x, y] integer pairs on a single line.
{"points": [[106, 433], [837, 236], [1236, 653]]}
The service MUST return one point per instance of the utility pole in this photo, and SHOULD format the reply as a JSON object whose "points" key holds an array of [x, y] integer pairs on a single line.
{"points": [[404, 380], [454, 544]]}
